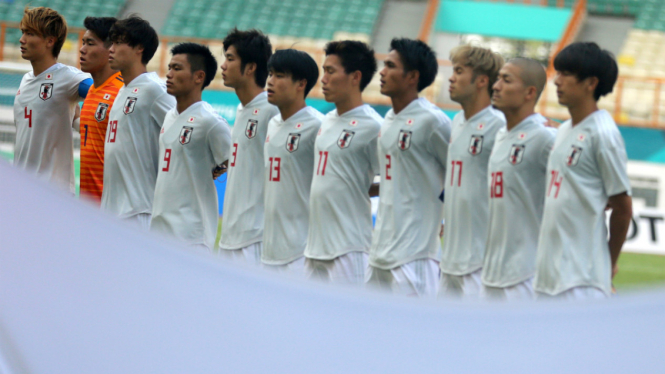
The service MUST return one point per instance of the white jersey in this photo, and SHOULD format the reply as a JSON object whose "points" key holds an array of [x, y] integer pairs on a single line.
{"points": [[44, 110], [340, 217], [242, 221], [413, 146], [516, 180], [289, 168], [466, 207], [586, 167], [132, 146], [191, 144]]}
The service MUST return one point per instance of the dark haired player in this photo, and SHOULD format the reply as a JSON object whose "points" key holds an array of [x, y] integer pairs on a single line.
{"points": [[97, 105], [586, 173], [45, 107], [132, 137], [193, 141], [289, 159], [340, 220], [246, 70], [413, 146]]}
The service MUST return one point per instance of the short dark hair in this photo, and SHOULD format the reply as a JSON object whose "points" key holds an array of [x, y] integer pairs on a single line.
{"points": [[417, 55], [354, 56], [300, 65], [584, 60], [100, 26], [134, 31], [252, 46], [199, 58]]}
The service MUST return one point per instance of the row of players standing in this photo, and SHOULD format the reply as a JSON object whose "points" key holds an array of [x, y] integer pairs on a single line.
{"points": [[299, 182]]}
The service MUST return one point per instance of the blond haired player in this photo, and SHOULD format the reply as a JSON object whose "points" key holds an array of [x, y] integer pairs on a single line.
{"points": [[516, 179], [45, 107], [466, 216]]}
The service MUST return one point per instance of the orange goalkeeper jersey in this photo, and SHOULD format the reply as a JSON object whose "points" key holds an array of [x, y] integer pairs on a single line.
{"points": [[94, 120]]}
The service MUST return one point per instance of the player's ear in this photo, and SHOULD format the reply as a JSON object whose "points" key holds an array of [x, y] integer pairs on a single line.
{"points": [[302, 84], [482, 81], [50, 41], [199, 76], [591, 83], [356, 77], [250, 68], [138, 49], [531, 92], [413, 77]]}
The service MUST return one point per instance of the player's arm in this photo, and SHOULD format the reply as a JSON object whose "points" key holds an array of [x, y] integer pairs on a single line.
{"points": [[76, 123], [219, 143], [84, 87], [374, 190], [622, 213]]}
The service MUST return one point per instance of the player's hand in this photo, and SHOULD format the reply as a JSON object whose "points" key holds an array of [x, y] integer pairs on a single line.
{"points": [[219, 170], [441, 231], [615, 270]]}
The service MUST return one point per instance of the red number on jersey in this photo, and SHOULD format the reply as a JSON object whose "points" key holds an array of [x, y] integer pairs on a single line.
{"points": [[167, 159], [388, 163], [275, 163], [322, 170], [28, 116], [459, 173], [113, 126], [555, 182], [234, 154], [496, 191]]}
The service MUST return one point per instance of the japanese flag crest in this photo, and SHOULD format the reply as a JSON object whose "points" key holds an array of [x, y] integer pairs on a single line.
{"points": [[107, 96], [186, 134], [573, 155], [102, 110], [46, 91], [292, 142], [344, 140], [49, 76], [404, 140], [252, 128], [516, 154], [130, 103], [476, 144]]}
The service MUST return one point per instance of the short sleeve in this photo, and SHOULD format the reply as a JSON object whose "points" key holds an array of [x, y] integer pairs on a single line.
{"points": [[612, 159], [439, 139], [79, 84], [548, 143], [160, 107], [219, 141]]}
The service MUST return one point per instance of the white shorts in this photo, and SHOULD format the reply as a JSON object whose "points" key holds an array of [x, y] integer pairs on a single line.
{"points": [[416, 278], [575, 294], [467, 285], [250, 254], [519, 291], [296, 267], [345, 269], [142, 219]]}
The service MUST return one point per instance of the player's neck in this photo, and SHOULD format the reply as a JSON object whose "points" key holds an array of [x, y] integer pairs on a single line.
{"points": [[582, 110], [102, 75], [185, 101], [40, 66], [294, 107], [132, 72], [247, 93], [515, 117], [402, 101], [350, 102], [474, 106]]}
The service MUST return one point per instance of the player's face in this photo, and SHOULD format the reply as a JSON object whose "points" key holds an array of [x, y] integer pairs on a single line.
{"points": [[34, 47], [282, 90], [393, 77], [122, 56], [94, 55], [462, 87], [509, 91], [180, 80], [231, 72], [336, 84], [569, 89]]}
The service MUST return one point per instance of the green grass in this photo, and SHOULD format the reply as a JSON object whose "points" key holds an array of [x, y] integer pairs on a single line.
{"points": [[640, 270]]}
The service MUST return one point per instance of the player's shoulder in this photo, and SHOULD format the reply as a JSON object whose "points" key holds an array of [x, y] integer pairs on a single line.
{"points": [[495, 115], [67, 72], [430, 113], [152, 83], [209, 113], [313, 114], [116, 81], [369, 116], [605, 129], [541, 132]]}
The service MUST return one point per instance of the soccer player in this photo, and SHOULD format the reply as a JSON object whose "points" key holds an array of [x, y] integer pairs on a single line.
{"points": [[45, 106], [289, 159], [516, 178], [97, 105], [132, 137], [466, 215], [193, 141], [586, 173], [246, 70], [340, 219], [413, 146]]}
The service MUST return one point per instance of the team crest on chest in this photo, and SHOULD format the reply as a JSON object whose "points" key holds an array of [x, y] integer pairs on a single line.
{"points": [[404, 140], [292, 142], [476, 144], [130, 103], [46, 91], [573, 155], [344, 140], [252, 128], [516, 154], [100, 113], [186, 134]]}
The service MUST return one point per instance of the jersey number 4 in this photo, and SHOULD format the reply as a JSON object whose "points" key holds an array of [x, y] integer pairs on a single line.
{"points": [[496, 190], [28, 116]]}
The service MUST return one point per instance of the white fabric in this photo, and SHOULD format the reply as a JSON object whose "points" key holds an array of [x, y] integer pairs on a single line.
{"points": [[43, 120], [191, 144], [243, 200], [580, 293], [340, 217], [142, 220], [466, 286], [289, 168], [348, 268], [415, 278], [586, 167], [412, 151], [250, 254], [131, 151], [520, 291], [516, 180], [466, 209], [295, 267]]}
